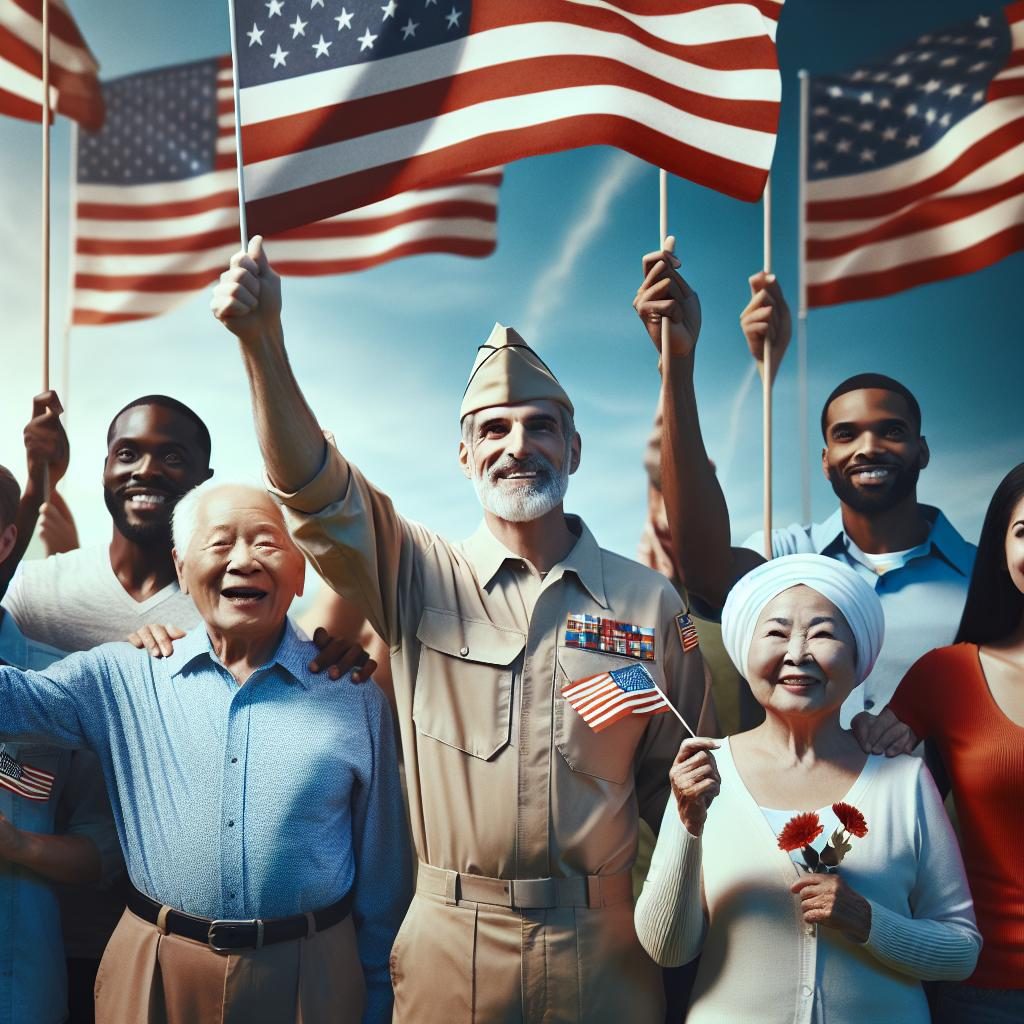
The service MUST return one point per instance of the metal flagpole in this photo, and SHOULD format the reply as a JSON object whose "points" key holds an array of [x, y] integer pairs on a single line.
{"points": [[766, 381], [243, 225], [801, 318]]}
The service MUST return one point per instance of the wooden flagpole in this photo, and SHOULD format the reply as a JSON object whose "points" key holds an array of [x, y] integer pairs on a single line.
{"points": [[766, 381], [666, 324], [801, 318], [45, 241], [243, 225], [65, 351]]}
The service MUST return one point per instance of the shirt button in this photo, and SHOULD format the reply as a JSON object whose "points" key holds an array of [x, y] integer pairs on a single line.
{"points": [[231, 823], [463, 651], [805, 991], [234, 760], [231, 895]]}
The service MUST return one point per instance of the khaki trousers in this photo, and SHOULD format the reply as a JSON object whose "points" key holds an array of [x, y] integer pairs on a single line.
{"points": [[147, 977], [473, 963]]}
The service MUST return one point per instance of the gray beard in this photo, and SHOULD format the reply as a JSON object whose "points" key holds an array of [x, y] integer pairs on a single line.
{"points": [[524, 501]]}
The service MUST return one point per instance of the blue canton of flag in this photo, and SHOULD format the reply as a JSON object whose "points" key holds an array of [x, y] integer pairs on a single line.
{"points": [[632, 678], [161, 126], [279, 39], [879, 115]]}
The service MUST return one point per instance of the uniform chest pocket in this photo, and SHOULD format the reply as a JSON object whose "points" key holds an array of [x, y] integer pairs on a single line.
{"points": [[464, 682], [608, 754]]}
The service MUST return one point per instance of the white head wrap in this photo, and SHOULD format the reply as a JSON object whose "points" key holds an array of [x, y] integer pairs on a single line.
{"points": [[830, 578]]}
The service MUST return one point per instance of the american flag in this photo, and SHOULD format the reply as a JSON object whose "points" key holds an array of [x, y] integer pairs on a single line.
{"points": [[23, 779], [74, 87], [915, 163], [603, 699], [156, 205], [343, 104]]}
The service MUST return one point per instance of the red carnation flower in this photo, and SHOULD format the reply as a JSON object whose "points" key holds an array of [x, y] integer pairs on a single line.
{"points": [[853, 821], [801, 830]]}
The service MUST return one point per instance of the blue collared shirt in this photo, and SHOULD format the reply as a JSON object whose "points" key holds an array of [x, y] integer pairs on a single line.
{"points": [[263, 800], [33, 984], [922, 595]]}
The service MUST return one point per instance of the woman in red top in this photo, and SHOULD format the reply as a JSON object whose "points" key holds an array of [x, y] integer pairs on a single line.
{"points": [[969, 700]]}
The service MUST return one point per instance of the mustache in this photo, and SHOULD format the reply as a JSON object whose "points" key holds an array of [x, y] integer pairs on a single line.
{"points": [[531, 464]]}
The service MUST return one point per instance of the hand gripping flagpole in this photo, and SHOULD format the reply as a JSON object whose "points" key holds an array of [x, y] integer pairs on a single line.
{"points": [[666, 326], [243, 225], [766, 380]]}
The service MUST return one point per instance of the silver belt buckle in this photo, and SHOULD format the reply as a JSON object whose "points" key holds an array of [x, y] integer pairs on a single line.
{"points": [[211, 936]]}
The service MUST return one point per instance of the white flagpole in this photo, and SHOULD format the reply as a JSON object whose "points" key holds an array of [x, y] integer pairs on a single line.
{"points": [[801, 318], [46, 219], [666, 324], [243, 225], [766, 382], [675, 711], [65, 351]]}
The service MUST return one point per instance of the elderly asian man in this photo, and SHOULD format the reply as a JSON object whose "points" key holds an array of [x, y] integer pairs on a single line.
{"points": [[257, 804]]}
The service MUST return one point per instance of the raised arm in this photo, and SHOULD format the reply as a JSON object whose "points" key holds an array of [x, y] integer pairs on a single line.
{"points": [[247, 301], [698, 517]]}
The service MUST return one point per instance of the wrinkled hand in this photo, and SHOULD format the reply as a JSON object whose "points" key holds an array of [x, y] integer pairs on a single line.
{"points": [[766, 317], [664, 293], [339, 656], [156, 639], [12, 841], [46, 443], [883, 733], [695, 781], [247, 299], [57, 526], [827, 900]]}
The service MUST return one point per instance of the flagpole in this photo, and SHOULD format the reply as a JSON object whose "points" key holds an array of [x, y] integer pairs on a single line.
{"points": [[674, 709], [243, 225], [766, 381], [666, 323], [801, 317], [46, 220], [65, 351]]}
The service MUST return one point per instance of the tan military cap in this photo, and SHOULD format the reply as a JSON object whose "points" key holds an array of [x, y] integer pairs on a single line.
{"points": [[506, 372]]}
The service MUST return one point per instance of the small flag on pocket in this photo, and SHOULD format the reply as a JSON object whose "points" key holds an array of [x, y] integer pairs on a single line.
{"points": [[23, 779], [603, 699], [687, 632]]}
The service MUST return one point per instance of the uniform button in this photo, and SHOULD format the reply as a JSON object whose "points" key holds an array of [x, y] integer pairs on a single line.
{"points": [[463, 651], [234, 760], [231, 823], [805, 991]]}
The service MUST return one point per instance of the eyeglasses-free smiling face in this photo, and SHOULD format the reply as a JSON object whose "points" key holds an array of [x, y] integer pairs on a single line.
{"points": [[874, 450], [802, 657], [241, 567]]}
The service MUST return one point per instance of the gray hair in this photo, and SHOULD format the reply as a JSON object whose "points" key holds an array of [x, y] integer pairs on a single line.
{"points": [[186, 512]]}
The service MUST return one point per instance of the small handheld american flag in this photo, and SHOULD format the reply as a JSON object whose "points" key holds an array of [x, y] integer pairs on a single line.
{"points": [[23, 779], [604, 699]]}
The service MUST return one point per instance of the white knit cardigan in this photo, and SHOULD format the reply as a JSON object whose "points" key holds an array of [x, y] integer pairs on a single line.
{"points": [[759, 962]]}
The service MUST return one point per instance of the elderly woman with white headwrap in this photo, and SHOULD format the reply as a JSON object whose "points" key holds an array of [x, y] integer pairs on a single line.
{"points": [[732, 875]]}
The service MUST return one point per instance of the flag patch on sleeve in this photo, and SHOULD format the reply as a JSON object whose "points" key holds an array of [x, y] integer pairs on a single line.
{"points": [[688, 638]]}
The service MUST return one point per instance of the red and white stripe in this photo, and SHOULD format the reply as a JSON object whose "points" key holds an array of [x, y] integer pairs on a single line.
{"points": [[34, 784], [689, 85], [141, 250], [955, 208], [74, 88], [601, 703]]}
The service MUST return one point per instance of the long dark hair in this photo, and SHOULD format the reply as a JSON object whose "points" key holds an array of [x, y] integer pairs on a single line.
{"points": [[994, 605]]}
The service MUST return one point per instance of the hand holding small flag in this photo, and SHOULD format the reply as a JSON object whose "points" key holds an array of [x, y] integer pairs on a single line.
{"points": [[695, 781]]}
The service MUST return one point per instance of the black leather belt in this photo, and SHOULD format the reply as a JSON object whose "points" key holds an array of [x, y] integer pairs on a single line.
{"points": [[223, 936]]}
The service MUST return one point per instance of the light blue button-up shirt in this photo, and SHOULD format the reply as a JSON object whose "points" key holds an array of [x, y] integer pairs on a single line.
{"points": [[33, 981], [263, 800], [922, 596]]}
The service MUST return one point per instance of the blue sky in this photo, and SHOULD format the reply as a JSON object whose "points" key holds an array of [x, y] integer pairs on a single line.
{"points": [[383, 355]]}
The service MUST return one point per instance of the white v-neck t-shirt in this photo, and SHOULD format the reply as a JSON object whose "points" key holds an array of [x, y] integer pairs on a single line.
{"points": [[74, 601]]}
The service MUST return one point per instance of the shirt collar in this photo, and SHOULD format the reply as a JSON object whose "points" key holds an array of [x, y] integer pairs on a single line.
{"points": [[830, 536], [291, 653], [487, 555]]}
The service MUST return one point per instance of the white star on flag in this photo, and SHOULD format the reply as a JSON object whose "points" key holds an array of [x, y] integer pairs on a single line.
{"points": [[344, 19], [322, 48], [298, 27], [366, 41], [409, 28], [389, 10], [453, 18], [279, 56], [274, 7], [255, 35]]}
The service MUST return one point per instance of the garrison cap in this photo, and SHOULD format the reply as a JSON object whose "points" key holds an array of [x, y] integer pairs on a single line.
{"points": [[507, 372]]}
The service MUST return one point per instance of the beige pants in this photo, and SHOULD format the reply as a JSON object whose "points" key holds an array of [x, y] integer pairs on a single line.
{"points": [[147, 977], [472, 963]]}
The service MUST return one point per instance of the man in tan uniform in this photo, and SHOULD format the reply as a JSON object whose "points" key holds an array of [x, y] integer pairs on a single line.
{"points": [[524, 819]]}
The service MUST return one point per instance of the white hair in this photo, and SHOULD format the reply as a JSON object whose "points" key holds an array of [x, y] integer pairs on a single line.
{"points": [[186, 512]]}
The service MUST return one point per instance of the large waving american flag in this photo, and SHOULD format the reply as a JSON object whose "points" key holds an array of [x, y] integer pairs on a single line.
{"points": [[156, 204], [343, 104], [74, 87], [916, 163]]}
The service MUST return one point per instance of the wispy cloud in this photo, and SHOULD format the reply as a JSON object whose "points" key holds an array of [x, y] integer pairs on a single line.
{"points": [[738, 404], [549, 289]]}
